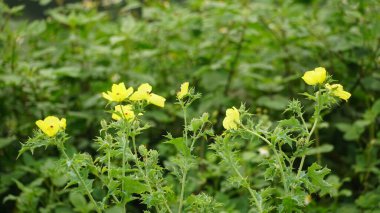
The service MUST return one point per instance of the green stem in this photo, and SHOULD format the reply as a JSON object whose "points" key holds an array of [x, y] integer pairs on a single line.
{"points": [[182, 191], [61, 148], [185, 123], [310, 133], [124, 140], [109, 165], [184, 174], [275, 153], [307, 141], [247, 186], [317, 144], [303, 122], [146, 179], [195, 137]]}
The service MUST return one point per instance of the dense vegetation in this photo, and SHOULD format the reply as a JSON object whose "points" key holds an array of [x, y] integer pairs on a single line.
{"points": [[247, 54]]}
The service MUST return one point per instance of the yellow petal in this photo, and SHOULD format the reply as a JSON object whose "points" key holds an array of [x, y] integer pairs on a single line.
{"points": [[118, 93], [342, 94], [320, 74], [139, 95], [125, 110], [309, 78], [229, 123], [184, 90], [145, 88], [50, 125], [157, 100], [233, 113], [232, 118], [129, 91], [41, 124], [62, 123], [337, 90], [107, 96], [316, 76], [118, 87]]}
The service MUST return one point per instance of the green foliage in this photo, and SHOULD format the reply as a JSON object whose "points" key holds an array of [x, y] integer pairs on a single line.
{"points": [[232, 51]]}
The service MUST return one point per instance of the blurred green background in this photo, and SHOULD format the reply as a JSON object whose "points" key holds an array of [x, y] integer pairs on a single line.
{"points": [[56, 57]]}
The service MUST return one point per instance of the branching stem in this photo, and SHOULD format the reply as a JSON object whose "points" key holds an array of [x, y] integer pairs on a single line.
{"points": [[62, 149], [282, 167]]}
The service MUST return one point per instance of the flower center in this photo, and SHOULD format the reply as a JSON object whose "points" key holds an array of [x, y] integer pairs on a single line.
{"points": [[51, 126]]}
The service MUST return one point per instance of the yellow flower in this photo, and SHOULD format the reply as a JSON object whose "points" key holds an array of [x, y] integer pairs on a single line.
{"points": [[232, 118], [184, 90], [125, 110], [338, 91], [118, 93], [316, 76], [51, 125], [156, 100], [144, 93]]}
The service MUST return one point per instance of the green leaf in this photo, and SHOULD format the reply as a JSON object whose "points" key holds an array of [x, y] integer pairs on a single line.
{"points": [[79, 202], [316, 175], [369, 200], [181, 146], [134, 186], [352, 132]]}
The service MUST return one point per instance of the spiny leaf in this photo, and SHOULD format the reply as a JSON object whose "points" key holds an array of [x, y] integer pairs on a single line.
{"points": [[316, 174], [134, 186]]}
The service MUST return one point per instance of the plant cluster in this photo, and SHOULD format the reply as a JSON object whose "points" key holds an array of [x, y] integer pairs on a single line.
{"points": [[123, 169], [230, 51]]}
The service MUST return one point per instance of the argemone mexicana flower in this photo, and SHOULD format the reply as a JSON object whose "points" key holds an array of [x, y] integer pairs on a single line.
{"points": [[232, 118], [118, 93], [124, 110], [314, 77], [144, 92], [51, 125], [338, 91], [184, 90]]}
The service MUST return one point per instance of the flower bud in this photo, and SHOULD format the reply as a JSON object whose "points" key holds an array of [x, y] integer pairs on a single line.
{"points": [[142, 150]]}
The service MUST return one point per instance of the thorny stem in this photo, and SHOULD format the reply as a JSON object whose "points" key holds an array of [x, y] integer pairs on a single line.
{"points": [[275, 153], [109, 163], [303, 122], [62, 149], [310, 133], [182, 190], [307, 141], [184, 174], [247, 185], [195, 137], [124, 140], [144, 174], [185, 122]]}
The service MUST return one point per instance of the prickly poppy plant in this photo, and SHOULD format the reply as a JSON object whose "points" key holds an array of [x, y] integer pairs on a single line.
{"points": [[125, 170], [189, 106]]}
